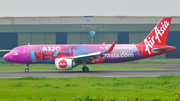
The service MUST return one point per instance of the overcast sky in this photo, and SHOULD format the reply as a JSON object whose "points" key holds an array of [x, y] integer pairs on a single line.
{"points": [[30, 8]]}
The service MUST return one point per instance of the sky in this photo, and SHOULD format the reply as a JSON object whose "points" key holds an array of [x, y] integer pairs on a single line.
{"points": [[41, 8]]}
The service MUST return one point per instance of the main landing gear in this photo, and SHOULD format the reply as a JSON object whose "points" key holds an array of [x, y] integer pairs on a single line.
{"points": [[27, 68], [85, 69]]}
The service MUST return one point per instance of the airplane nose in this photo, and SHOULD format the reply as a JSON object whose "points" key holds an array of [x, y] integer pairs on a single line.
{"points": [[6, 57]]}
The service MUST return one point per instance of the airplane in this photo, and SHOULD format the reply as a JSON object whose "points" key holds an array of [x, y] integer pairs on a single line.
{"points": [[71, 55]]}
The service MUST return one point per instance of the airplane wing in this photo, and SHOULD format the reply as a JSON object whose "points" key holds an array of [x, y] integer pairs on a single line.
{"points": [[93, 56]]}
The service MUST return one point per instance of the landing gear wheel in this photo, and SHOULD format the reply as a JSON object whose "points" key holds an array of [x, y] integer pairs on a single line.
{"points": [[85, 69], [26, 70]]}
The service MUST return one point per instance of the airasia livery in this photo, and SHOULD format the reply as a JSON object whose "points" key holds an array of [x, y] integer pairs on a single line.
{"points": [[69, 56]]}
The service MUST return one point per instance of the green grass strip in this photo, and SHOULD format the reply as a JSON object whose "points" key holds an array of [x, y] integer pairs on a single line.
{"points": [[162, 88]]}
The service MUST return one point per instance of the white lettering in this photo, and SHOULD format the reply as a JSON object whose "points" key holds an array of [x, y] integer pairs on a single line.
{"points": [[126, 47], [53, 48], [125, 54], [150, 41], [44, 49], [62, 64], [49, 48], [118, 55]]}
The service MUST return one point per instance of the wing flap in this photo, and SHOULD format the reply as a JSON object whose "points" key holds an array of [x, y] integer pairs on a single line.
{"points": [[87, 55]]}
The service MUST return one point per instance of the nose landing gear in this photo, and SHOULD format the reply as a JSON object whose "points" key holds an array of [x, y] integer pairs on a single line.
{"points": [[27, 68]]}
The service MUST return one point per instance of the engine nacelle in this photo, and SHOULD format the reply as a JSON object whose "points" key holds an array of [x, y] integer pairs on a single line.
{"points": [[62, 63]]}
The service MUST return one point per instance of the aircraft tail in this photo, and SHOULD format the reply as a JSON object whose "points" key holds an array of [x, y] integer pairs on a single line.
{"points": [[157, 37]]}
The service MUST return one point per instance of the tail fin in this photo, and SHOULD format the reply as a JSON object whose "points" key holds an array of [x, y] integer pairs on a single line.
{"points": [[158, 36]]}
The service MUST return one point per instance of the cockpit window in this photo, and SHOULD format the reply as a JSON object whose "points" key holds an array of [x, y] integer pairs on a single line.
{"points": [[15, 52]]}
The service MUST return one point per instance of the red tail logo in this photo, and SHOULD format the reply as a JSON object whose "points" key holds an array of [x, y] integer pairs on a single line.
{"points": [[158, 35]]}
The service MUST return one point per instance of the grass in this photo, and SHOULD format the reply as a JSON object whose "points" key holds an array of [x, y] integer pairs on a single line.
{"points": [[162, 88], [165, 88]]}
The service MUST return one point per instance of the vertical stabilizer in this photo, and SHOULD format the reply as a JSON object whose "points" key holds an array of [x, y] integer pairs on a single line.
{"points": [[158, 36]]}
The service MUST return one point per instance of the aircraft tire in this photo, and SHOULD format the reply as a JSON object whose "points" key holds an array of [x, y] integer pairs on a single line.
{"points": [[26, 70], [85, 69]]}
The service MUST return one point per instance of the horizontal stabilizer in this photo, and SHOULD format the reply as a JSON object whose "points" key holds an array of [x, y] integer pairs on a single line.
{"points": [[156, 50]]}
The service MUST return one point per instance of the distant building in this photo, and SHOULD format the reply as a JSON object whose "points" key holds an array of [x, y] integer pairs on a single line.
{"points": [[15, 31]]}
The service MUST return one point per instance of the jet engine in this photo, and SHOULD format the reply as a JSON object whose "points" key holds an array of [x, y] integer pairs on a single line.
{"points": [[64, 64]]}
